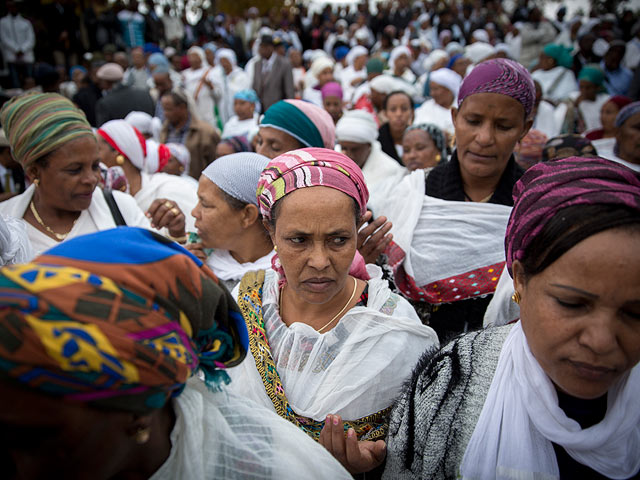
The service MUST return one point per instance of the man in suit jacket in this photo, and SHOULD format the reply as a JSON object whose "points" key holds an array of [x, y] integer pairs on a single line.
{"points": [[272, 76], [120, 100]]}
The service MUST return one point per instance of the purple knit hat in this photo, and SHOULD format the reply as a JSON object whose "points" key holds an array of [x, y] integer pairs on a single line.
{"points": [[549, 187], [502, 76]]}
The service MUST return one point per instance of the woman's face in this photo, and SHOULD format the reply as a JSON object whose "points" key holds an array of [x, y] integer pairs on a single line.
{"points": [[42, 434], [402, 63], [608, 114], [418, 150], [210, 56], [195, 61], [588, 90], [106, 154], [581, 315], [442, 95], [224, 148], [71, 175], [546, 62], [325, 76], [333, 105], [358, 152], [359, 62], [173, 166], [273, 142], [399, 112], [217, 222], [315, 234], [628, 139], [226, 65], [487, 128]]}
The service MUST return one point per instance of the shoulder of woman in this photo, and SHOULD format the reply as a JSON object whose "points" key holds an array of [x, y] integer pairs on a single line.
{"points": [[433, 420], [17, 206], [129, 208]]}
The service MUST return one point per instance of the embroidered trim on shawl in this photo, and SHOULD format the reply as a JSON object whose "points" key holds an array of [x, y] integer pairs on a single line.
{"points": [[475, 283], [371, 427]]}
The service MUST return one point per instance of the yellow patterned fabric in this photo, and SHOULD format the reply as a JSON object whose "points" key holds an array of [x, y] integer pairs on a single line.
{"points": [[371, 427]]}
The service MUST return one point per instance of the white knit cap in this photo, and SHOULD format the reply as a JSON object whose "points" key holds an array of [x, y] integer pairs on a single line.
{"points": [[356, 52], [319, 65], [140, 120], [447, 78], [238, 174], [357, 126]]}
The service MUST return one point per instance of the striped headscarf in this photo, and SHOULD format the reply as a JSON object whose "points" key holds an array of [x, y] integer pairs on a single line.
{"points": [[502, 76], [118, 319], [311, 125], [126, 140], [436, 135], [547, 188], [37, 124]]}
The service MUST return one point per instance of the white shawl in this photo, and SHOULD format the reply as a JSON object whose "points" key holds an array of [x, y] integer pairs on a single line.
{"points": [[95, 218], [219, 435], [521, 418], [354, 370]]}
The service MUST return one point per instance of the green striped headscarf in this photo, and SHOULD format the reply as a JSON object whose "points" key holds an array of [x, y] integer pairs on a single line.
{"points": [[37, 124]]}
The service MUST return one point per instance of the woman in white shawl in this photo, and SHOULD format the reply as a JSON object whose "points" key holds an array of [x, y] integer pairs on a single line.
{"points": [[198, 81], [328, 340], [356, 71], [55, 145], [399, 63], [444, 85], [229, 79], [230, 236], [554, 395], [320, 73], [554, 73], [169, 197]]}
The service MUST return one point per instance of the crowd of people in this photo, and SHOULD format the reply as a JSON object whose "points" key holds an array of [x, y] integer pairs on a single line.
{"points": [[399, 243]]}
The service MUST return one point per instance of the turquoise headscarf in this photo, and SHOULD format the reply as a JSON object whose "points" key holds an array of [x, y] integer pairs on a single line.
{"points": [[593, 74], [560, 53]]}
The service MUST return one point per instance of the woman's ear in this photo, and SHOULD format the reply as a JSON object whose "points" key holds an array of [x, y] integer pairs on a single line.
{"points": [[454, 115], [519, 277], [527, 127], [270, 230], [250, 214], [33, 171]]}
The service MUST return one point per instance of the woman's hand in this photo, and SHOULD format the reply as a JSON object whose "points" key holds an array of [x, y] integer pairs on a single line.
{"points": [[166, 213], [355, 456], [197, 249], [374, 238]]}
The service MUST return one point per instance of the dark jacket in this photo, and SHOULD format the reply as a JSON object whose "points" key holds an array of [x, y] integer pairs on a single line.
{"points": [[86, 99], [276, 85], [122, 100], [386, 142]]}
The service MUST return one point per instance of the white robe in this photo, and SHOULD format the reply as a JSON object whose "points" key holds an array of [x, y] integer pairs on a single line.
{"points": [[431, 112], [239, 128], [380, 170], [557, 84], [174, 188], [355, 369], [230, 271], [218, 435], [95, 218], [225, 87], [205, 103]]}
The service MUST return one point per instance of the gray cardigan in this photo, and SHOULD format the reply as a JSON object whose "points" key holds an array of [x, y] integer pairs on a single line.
{"points": [[432, 422]]}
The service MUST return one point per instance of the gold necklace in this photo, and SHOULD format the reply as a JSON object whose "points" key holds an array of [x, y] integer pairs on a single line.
{"points": [[59, 236], [353, 294]]}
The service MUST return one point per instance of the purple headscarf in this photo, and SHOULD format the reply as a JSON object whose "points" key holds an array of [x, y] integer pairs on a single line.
{"points": [[331, 89], [547, 188], [502, 76]]}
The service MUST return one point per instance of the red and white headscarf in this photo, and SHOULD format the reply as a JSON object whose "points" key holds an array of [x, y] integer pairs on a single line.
{"points": [[158, 155], [126, 140]]}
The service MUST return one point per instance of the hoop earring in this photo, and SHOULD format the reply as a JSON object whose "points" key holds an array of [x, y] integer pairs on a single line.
{"points": [[120, 160], [516, 297]]}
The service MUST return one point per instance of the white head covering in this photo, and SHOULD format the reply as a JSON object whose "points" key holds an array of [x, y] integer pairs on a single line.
{"points": [[454, 47], [356, 52], [362, 34], [479, 51], [228, 54], [342, 22], [157, 156], [503, 47], [384, 84], [425, 17], [140, 120], [126, 139], [447, 78], [200, 52], [182, 155], [238, 174], [480, 35], [319, 64], [433, 58], [357, 126], [397, 52], [15, 246]]}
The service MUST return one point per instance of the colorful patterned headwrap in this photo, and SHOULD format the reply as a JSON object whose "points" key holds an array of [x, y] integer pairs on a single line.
{"points": [[502, 76], [119, 319], [311, 125], [310, 167], [568, 145], [547, 188], [37, 124]]}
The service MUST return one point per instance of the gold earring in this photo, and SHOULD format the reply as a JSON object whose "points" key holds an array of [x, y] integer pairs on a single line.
{"points": [[120, 160], [142, 435], [275, 248], [516, 297], [438, 158], [36, 182]]}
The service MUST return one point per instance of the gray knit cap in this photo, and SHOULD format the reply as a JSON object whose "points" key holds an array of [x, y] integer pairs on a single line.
{"points": [[238, 174]]}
